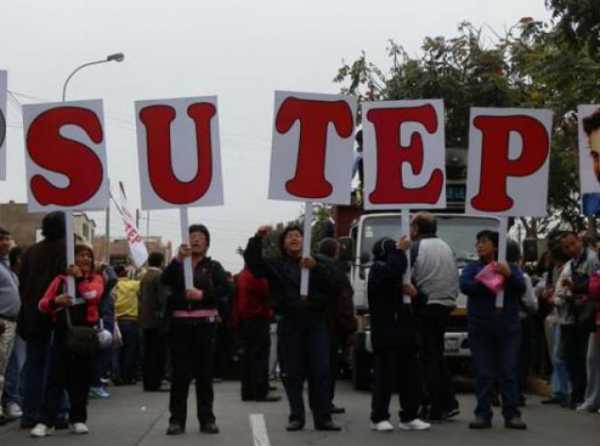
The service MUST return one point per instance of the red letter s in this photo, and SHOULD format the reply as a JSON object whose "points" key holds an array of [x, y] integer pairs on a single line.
{"points": [[48, 149]]}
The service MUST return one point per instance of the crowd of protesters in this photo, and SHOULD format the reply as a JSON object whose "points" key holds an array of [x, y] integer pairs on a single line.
{"points": [[59, 348]]}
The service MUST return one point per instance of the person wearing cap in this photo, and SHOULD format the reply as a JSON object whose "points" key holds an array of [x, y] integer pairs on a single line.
{"points": [[68, 369], [193, 318], [303, 338]]}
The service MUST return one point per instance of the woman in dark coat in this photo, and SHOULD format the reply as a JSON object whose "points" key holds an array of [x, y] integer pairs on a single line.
{"points": [[393, 335]]}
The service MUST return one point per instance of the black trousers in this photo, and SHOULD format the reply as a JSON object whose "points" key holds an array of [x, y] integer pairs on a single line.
{"points": [[395, 369], [337, 342], [438, 381], [191, 344], [70, 372], [255, 339], [574, 349], [155, 357], [303, 350]]}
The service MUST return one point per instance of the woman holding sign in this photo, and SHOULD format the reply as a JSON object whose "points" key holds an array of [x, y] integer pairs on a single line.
{"points": [[303, 338], [494, 334], [193, 314], [71, 366]]}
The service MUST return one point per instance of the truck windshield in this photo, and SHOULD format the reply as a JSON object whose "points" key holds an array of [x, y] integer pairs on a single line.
{"points": [[457, 230]]}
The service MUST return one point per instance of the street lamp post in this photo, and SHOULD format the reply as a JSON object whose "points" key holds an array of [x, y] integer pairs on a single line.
{"points": [[117, 57]]}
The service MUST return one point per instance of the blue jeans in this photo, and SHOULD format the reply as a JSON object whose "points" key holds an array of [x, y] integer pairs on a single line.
{"points": [[303, 349], [34, 376], [13, 387], [560, 376], [495, 355]]}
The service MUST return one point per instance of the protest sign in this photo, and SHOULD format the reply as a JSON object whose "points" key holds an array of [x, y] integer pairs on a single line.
{"points": [[312, 153], [179, 157], [509, 156]]}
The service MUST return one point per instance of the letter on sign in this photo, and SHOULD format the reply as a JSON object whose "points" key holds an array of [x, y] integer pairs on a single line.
{"points": [[404, 154], [313, 139], [179, 153], [509, 152], [66, 156]]}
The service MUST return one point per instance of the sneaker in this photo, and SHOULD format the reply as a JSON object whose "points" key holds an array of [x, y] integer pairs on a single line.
{"points": [[13, 411], [41, 430], [382, 426], [79, 429], [414, 425], [585, 408], [98, 393]]}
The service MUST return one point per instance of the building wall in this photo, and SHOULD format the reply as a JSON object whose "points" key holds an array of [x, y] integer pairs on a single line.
{"points": [[26, 227]]}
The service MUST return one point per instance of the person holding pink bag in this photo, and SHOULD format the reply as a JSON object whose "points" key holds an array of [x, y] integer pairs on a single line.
{"points": [[494, 334]]}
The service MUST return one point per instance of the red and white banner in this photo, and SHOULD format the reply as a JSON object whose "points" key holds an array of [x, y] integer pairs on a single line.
{"points": [[65, 156], [179, 152], [312, 153], [137, 248], [3, 91], [404, 154], [509, 156]]}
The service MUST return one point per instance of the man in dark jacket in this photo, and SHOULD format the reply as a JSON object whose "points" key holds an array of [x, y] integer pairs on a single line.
{"points": [[303, 339], [40, 264], [340, 314], [193, 323], [393, 335], [494, 334], [151, 319]]}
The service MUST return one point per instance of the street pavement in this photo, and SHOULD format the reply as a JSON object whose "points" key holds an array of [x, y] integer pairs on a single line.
{"points": [[131, 417]]}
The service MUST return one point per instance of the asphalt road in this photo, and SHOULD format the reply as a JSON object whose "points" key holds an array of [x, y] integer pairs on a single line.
{"points": [[131, 417]]}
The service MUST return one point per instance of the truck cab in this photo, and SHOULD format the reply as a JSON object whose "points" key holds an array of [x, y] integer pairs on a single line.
{"points": [[458, 231]]}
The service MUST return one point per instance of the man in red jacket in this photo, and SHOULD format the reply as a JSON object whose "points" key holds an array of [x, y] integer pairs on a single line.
{"points": [[254, 313]]}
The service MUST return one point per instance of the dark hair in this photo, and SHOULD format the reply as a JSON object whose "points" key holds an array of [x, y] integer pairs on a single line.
{"points": [[329, 247], [492, 236], [289, 228], [83, 247], [382, 248], [564, 234], [53, 226], [425, 223], [120, 270], [513, 251], [14, 255], [591, 122], [4, 232], [156, 259], [203, 229]]}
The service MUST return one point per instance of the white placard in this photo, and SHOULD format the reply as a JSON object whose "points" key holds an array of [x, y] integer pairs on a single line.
{"points": [[509, 153], [65, 156], [182, 164], [312, 153], [3, 114], [589, 157], [404, 154]]}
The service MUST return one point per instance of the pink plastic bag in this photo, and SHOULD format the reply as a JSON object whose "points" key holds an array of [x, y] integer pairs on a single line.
{"points": [[594, 285], [493, 280]]}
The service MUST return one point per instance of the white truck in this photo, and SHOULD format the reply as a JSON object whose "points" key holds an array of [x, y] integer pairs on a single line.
{"points": [[458, 231]]}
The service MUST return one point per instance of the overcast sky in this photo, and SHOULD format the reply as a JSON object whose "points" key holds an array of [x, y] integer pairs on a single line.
{"points": [[241, 51]]}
